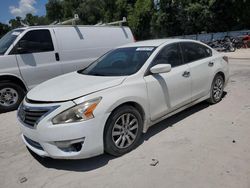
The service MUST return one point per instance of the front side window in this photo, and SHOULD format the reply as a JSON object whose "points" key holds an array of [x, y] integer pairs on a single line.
{"points": [[119, 62], [170, 54], [8, 39], [194, 51], [36, 41]]}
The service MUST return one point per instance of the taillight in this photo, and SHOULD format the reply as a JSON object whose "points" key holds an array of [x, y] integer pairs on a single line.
{"points": [[225, 58]]}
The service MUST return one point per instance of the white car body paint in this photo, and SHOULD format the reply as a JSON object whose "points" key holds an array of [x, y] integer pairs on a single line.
{"points": [[158, 95]]}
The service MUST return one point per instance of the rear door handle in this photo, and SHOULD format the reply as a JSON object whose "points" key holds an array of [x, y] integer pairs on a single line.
{"points": [[210, 64], [186, 74], [57, 56]]}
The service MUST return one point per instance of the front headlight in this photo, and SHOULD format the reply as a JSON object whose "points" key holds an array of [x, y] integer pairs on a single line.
{"points": [[81, 112]]}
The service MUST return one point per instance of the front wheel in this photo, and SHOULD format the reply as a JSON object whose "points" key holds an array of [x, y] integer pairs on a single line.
{"points": [[217, 88], [122, 131], [11, 95]]}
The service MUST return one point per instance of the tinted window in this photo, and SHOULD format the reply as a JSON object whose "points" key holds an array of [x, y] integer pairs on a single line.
{"points": [[37, 41], [169, 55], [119, 62], [194, 51]]}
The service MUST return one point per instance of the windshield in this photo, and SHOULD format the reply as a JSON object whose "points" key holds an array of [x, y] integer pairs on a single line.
{"points": [[8, 39], [119, 62]]}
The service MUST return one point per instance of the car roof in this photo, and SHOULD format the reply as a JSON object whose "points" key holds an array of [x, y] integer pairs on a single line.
{"points": [[155, 42], [63, 26]]}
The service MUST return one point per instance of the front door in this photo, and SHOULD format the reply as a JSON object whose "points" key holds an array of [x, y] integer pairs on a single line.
{"points": [[168, 91], [37, 60]]}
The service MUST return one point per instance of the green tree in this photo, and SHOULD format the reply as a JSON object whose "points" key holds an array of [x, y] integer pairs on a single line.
{"points": [[15, 23], [4, 28], [70, 7], [243, 11], [54, 10], [91, 11], [139, 18], [198, 18], [151, 18], [35, 20], [230, 14], [122, 9]]}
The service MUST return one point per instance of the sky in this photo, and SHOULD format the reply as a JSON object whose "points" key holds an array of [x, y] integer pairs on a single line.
{"points": [[11, 8]]}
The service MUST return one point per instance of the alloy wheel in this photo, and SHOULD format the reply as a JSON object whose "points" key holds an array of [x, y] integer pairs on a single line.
{"points": [[125, 130], [218, 89]]}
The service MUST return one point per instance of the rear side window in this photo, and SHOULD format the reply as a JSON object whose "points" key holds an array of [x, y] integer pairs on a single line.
{"points": [[170, 54], [194, 51], [37, 41]]}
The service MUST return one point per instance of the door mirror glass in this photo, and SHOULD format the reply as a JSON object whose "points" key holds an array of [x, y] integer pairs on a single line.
{"points": [[22, 46], [160, 68]]}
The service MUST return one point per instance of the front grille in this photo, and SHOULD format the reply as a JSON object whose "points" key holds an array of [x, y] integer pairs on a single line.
{"points": [[31, 116], [33, 143]]}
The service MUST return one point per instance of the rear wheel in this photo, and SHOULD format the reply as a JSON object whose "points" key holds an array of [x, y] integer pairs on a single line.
{"points": [[122, 131], [217, 88], [11, 95]]}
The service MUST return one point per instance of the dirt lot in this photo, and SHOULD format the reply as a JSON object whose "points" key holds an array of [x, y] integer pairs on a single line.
{"points": [[204, 146]]}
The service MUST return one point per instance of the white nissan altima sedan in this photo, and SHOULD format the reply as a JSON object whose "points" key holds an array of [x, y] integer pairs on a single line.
{"points": [[108, 105]]}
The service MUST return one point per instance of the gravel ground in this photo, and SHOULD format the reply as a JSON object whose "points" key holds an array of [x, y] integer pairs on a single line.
{"points": [[203, 146]]}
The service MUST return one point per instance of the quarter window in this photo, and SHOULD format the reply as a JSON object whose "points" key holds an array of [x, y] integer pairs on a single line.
{"points": [[169, 55], [37, 41], [194, 51]]}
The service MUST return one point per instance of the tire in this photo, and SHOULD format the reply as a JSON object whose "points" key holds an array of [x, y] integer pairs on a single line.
{"points": [[11, 95], [232, 49], [216, 90], [118, 133]]}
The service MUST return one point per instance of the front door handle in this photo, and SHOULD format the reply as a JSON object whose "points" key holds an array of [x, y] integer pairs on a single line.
{"points": [[57, 56], [210, 64], [186, 74]]}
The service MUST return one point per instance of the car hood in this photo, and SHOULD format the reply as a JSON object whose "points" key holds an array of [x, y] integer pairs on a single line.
{"points": [[71, 86]]}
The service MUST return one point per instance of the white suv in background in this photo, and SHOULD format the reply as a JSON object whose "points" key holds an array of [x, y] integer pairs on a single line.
{"points": [[107, 106]]}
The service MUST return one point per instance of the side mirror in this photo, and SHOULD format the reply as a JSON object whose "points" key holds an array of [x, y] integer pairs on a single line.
{"points": [[22, 47], [160, 68]]}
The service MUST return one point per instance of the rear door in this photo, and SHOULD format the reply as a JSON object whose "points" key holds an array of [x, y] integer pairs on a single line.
{"points": [[168, 91], [199, 59], [38, 62]]}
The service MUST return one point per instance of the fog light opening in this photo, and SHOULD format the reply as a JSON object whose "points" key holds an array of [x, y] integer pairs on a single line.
{"points": [[71, 145], [77, 146]]}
